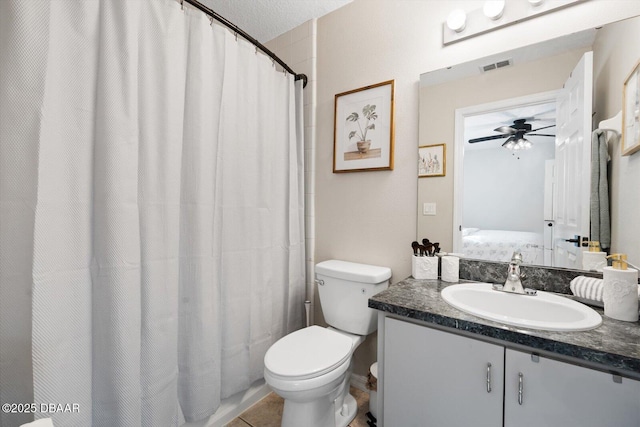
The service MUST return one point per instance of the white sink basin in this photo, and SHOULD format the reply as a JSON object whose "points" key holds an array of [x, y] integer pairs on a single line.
{"points": [[545, 311]]}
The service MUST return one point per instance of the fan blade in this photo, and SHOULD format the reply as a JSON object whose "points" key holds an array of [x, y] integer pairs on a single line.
{"points": [[486, 138], [539, 134], [546, 127], [506, 129]]}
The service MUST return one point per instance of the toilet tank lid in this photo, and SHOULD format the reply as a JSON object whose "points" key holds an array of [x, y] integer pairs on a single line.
{"points": [[352, 271]]}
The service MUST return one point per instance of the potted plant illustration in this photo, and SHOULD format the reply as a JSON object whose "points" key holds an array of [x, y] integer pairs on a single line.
{"points": [[368, 113]]}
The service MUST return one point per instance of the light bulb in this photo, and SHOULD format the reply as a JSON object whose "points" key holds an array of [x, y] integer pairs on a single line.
{"points": [[493, 9], [457, 20]]}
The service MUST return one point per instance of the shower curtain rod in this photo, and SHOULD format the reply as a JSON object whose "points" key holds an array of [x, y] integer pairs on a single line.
{"points": [[246, 36]]}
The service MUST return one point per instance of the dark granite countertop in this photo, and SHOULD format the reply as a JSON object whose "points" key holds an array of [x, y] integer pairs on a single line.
{"points": [[613, 346]]}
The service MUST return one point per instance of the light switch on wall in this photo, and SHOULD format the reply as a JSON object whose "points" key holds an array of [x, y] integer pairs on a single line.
{"points": [[428, 209]]}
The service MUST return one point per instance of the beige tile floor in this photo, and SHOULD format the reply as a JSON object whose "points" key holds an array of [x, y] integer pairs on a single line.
{"points": [[268, 412]]}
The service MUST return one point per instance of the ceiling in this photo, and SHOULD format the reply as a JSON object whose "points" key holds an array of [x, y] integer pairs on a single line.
{"points": [[265, 20]]}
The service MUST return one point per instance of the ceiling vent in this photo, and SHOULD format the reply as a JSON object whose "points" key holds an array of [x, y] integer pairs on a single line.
{"points": [[496, 65]]}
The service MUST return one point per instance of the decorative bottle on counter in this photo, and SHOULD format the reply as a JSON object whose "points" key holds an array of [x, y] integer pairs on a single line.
{"points": [[620, 290], [594, 259], [450, 268]]}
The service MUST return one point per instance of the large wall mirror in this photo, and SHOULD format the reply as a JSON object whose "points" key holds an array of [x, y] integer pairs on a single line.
{"points": [[518, 174]]}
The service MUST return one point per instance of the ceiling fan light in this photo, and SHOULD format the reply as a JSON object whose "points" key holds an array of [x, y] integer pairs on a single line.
{"points": [[509, 145], [527, 144], [520, 144]]}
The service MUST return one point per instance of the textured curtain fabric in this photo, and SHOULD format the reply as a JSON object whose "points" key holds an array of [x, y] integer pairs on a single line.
{"points": [[151, 211]]}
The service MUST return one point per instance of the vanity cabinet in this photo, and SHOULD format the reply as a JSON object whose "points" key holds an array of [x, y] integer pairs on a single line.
{"points": [[436, 378], [556, 393]]}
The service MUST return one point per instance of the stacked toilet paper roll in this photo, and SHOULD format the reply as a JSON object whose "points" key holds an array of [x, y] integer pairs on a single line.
{"points": [[594, 260], [424, 267], [450, 268], [620, 294]]}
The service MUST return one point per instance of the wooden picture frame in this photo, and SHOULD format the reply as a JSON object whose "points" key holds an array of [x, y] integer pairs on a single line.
{"points": [[631, 112], [432, 160], [363, 130]]}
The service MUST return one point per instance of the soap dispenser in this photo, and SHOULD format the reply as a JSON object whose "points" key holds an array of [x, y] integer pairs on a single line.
{"points": [[620, 293], [594, 259]]}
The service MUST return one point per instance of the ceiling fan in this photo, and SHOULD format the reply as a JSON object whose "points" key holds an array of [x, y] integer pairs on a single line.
{"points": [[514, 134]]}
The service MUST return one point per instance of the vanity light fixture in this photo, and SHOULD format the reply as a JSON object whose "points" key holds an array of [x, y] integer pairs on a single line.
{"points": [[493, 9], [457, 20], [491, 15]]}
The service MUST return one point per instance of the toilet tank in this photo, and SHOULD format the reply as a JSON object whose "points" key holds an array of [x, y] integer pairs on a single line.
{"points": [[345, 288]]}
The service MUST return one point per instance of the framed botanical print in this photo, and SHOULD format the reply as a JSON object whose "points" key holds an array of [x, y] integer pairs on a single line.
{"points": [[631, 112], [432, 160], [363, 129]]}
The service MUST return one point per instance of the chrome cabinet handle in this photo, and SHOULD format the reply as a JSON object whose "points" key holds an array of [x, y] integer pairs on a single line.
{"points": [[488, 377], [520, 387]]}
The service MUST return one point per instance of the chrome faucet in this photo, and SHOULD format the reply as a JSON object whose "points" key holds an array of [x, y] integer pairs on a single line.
{"points": [[514, 277]]}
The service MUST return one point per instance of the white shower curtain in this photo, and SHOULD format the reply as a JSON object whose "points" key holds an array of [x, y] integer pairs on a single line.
{"points": [[151, 211]]}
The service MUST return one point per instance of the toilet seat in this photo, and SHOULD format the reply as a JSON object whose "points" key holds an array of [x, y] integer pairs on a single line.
{"points": [[308, 353]]}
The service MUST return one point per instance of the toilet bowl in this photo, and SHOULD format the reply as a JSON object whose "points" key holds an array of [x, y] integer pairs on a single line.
{"points": [[311, 368]]}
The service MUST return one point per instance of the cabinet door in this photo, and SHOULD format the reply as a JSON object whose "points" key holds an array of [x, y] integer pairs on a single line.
{"points": [[560, 394], [437, 379]]}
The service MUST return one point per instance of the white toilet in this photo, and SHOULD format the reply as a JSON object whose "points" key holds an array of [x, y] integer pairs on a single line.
{"points": [[311, 368]]}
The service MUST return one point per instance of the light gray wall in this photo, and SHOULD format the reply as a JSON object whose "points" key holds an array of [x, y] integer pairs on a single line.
{"points": [[622, 42], [503, 191]]}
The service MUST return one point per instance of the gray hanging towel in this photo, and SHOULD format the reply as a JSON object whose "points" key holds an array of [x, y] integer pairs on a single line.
{"points": [[600, 218]]}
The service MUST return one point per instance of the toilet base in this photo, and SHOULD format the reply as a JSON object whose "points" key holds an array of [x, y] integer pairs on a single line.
{"points": [[318, 414], [352, 410]]}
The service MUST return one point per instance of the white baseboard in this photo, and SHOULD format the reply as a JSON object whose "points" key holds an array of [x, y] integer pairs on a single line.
{"points": [[359, 382], [233, 406]]}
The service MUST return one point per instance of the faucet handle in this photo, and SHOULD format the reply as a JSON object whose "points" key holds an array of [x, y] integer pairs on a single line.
{"points": [[516, 257]]}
